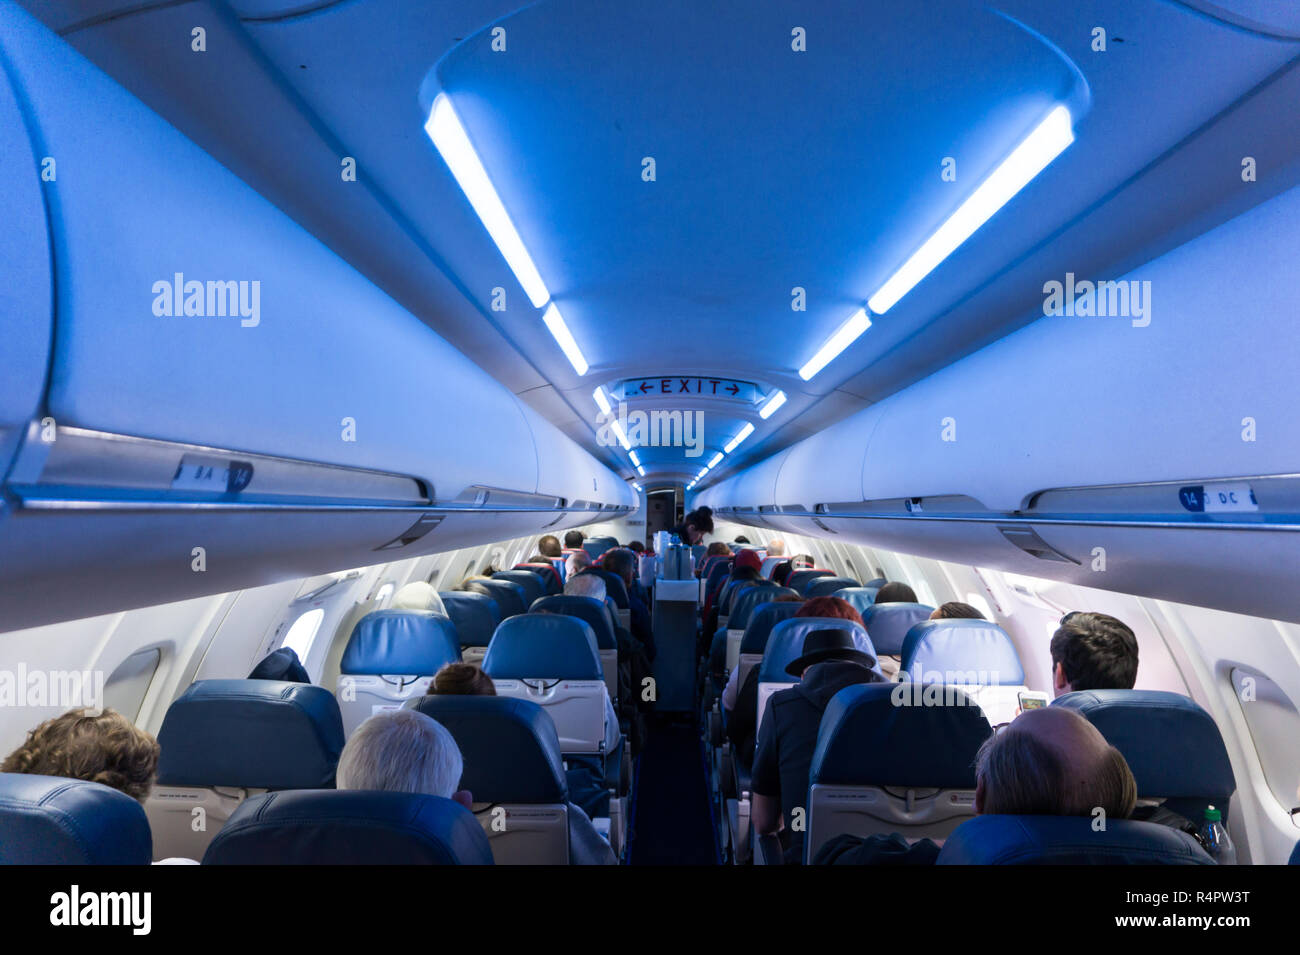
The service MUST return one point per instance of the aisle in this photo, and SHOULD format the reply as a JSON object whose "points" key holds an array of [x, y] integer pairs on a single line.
{"points": [[671, 819]]}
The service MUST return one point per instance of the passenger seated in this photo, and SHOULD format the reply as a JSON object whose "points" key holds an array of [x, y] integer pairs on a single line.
{"points": [[783, 571], [1093, 651], [830, 661], [622, 562], [576, 563], [282, 665], [549, 546], [403, 751], [573, 540], [106, 748], [776, 548], [585, 585], [954, 610], [461, 679], [896, 593]]}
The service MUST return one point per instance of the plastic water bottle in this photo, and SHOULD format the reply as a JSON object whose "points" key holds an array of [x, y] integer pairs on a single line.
{"points": [[1215, 838]]}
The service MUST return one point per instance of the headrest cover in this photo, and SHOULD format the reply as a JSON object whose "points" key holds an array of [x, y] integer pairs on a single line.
{"points": [[511, 750], [1068, 840], [401, 642], [799, 579], [1173, 746], [510, 597], [960, 651], [860, 598], [418, 595], [888, 624], [475, 615], [530, 582], [762, 619], [786, 644], [256, 734], [354, 827], [750, 595], [52, 820], [870, 736], [543, 646], [828, 586], [587, 609]]}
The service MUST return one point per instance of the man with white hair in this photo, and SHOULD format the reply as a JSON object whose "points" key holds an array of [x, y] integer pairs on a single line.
{"points": [[776, 548], [576, 563], [403, 751], [586, 585]]}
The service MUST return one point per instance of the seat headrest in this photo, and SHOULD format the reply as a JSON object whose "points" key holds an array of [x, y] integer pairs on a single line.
{"points": [[532, 584], [870, 736], [750, 595], [256, 734], [510, 746], [615, 588], [543, 646], [828, 586], [1171, 744], [762, 619], [349, 827], [860, 598], [401, 641], [475, 615], [786, 644], [799, 579], [53, 820], [587, 609], [597, 546], [546, 573], [960, 651], [509, 596], [876, 582], [888, 624], [1068, 840]]}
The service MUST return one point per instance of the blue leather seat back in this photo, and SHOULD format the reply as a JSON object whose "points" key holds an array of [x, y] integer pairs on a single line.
{"points": [[960, 651], [587, 609], [548, 575], [1171, 744], [888, 624], [355, 827], [475, 615], [762, 619], [509, 596], [532, 584], [860, 598], [710, 562], [401, 642], [748, 597], [877, 582], [543, 646], [799, 579], [253, 734], [597, 546], [769, 565], [53, 820], [510, 747], [1068, 840], [786, 644], [717, 574], [866, 739], [828, 586], [615, 589]]}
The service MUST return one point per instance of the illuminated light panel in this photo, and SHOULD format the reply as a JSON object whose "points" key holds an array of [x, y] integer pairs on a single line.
{"points": [[602, 402], [744, 433], [636, 462], [773, 403], [640, 470], [1026, 161], [450, 139], [560, 331], [619, 433], [846, 335], [714, 463]]}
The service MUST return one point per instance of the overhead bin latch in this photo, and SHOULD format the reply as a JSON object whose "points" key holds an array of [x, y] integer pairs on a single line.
{"points": [[1027, 539], [426, 523]]}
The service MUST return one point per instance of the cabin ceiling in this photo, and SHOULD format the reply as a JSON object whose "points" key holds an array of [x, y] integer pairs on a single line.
{"points": [[773, 169]]}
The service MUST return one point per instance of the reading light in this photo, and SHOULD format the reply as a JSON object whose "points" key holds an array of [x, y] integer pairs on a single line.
{"points": [[846, 335], [745, 432], [1031, 157], [555, 322], [776, 401], [450, 139], [601, 401], [714, 463]]}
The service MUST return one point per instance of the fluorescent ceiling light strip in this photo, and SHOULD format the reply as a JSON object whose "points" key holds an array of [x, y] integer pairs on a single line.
{"points": [[1031, 157], [619, 433], [635, 460], [635, 485], [846, 335], [745, 432], [640, 470], [601, 401], [776, 401], [451, 140], [560, 331], [716, 458]]}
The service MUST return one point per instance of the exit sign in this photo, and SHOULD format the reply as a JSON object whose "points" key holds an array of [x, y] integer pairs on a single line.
{"points": [[669, 386]]}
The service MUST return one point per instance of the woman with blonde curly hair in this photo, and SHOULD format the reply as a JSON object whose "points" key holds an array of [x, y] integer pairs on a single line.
{"points": [[105, 748]]}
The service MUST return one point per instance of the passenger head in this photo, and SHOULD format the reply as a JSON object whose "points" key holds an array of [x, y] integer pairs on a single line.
{"points": [[829, 607], [577, 562], [573, 539], [954, 610], [586, 585], [418, 595], [747, 565], [718, 549], [895, 593], [622, 562], [776, 548], [636, 547], [107, 748], [462, 679], [821, 646], [1052, 762], [1093, 651], [549, 546], [403, 751], [698, 523], [742, 540]]}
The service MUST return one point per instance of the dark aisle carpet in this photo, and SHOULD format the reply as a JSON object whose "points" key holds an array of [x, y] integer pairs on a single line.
{"points": [[671, 819]]}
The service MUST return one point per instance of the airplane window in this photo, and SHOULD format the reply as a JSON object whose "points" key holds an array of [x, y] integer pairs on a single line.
{"points": [[125, 688], [1273, 721], [303, 632], [982, 605]]}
